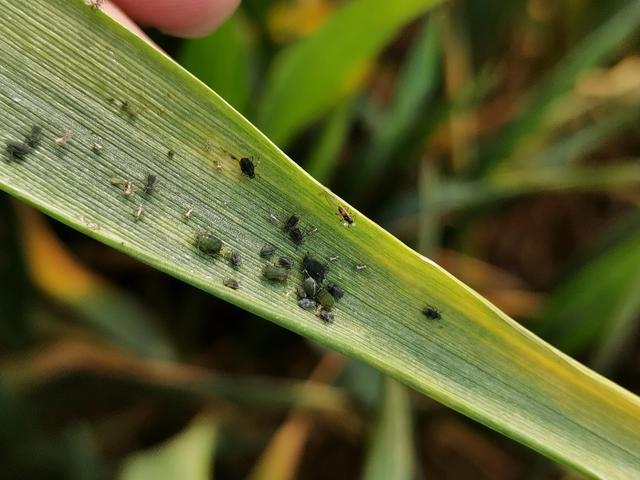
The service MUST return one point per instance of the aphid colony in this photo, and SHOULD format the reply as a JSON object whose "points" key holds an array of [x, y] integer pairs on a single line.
{"points": [[313, 293]]}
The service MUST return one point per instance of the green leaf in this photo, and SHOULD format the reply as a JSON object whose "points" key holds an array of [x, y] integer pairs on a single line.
{"points": [[187, 456], [67, 66], [390, 453], [311, 76]]}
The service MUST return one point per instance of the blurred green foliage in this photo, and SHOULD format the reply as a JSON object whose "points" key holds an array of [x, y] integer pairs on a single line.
{"points": [[504, 131]]}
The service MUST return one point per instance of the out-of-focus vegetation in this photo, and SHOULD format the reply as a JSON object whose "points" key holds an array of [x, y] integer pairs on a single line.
{"points": [[509, 132]]}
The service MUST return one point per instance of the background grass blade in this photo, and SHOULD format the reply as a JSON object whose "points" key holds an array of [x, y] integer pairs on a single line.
{"points": [[390, 453], [115, 91], [342, 50], [592, 50]]}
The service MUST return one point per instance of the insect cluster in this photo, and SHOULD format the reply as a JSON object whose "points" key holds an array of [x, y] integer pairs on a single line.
{"points": [[314, 293]]}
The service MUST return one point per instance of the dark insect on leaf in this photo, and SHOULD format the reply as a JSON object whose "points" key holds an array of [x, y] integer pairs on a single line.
{"points": [[247, 167]]}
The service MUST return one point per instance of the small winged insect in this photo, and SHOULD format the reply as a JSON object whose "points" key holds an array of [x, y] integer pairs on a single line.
{"points": [[150, 183], [431, 312], [17, 150], [347, 217]]}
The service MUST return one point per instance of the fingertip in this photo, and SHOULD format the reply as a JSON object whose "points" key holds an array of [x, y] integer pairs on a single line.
{"points": [[184, 18]]}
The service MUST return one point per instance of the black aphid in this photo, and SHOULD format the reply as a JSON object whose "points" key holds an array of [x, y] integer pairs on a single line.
{"points": [[231, 283], [150, 183], [335, 290], [314, 268], [234, 259], [307, 303], [431, 312], [291, 222], [310, 287], [275, 274], [285, 262], [300, 292], [325, 299], [17, 150], [34, 137], [326, 315], [296, 235], [208, 244], [267, 251], [247, 167]]}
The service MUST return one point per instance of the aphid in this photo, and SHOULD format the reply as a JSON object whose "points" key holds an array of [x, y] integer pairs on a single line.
{"points": [[234, 259], [345, 215], [137, 213], [151, 180], [335, 291], [309, 286], [326, 315], [296, 235], [334, 258], [325, 299], [218, 165], [17, 150], [208, 244], [360, 267], [66, 136], [431, 312], [247, 167], [231, 283], [127, 188], [188, 213], [285, 262], [275, 274], [314, 268], [300, 292], [170, 153], [291, 222], [34, 136], [208, 146], [267, 251], [97, 148], [129, 108], [307, 304]]}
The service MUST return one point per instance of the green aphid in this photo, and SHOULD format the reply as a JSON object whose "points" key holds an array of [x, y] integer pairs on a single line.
{"points": [[309, 285], [325, 299], [275, 274], [208, 244]]}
